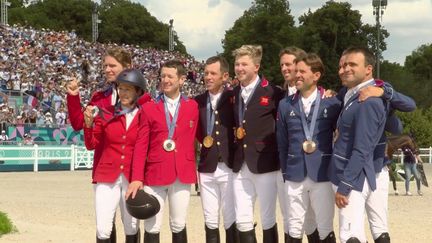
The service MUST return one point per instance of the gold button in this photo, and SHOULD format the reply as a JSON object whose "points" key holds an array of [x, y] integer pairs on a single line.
{"points": [[122, 157], [123, 146], [217, 122], [121, 167], [124, 136], [218, 143], [217, 132], [244, 121], [244, 145], [216, 112]]}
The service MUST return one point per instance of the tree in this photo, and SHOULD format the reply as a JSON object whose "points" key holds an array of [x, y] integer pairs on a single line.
{"points": [[268, 23], [418, 123], [330, 30], [419, 62]]}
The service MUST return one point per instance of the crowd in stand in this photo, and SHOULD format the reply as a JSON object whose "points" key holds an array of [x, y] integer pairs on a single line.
{"points": [[35, 65]]}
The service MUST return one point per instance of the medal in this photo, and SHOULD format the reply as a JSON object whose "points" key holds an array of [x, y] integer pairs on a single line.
{"points": [[240, 133], [208, 141], [309, 146], [169, 145]]}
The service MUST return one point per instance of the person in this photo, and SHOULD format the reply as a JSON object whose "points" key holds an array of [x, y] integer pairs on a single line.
{"points": [[305, 131], [117, 133], [410, 160], [215, 133], [287, 57], [4, 136], [164, 156], [256, 162], [359, 129], [28, 140]]}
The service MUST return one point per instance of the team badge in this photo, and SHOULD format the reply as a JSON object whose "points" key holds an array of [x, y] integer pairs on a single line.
{"points": [[264, 100]]}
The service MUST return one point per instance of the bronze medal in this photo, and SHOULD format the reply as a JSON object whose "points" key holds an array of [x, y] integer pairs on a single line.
{"points": [[309, 146], [208, 141], [240, 133], [169, 145]]}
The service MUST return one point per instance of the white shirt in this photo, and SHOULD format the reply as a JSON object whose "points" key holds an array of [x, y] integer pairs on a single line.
{"points": [[292, 90], [172, 103], [247, 91], [130, 116], [214, 99], [307, 102], [354, 90]]}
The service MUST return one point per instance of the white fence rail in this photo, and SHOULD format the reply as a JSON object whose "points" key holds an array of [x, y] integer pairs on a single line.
{"points": [[425, 154]]}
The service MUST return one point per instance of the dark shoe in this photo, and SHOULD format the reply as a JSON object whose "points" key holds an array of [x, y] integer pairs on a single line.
{"points": [[353, 240], [103, 241], [212, 235], [331, 238], [271, 235], [180, 237], [314, 237], [133, 238], [247, 236], [292, 240], [151, 238], [113, 236], [383, 238], [232, 234]]}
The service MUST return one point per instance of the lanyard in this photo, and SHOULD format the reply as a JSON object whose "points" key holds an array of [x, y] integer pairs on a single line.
{"points": [[243, 105], [171, 124], [210, 115], [308, 131]]}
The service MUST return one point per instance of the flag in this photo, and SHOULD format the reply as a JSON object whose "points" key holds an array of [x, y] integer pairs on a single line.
{"points": [[32, 101]]}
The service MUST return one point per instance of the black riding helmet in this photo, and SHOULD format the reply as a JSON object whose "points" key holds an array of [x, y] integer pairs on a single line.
{"points": [[143, 206], [132, 77]]}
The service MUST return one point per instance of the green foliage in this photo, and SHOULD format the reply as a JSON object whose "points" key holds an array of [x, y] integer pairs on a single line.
{"points": [[5, 224], [268, 23], [418, 123]]}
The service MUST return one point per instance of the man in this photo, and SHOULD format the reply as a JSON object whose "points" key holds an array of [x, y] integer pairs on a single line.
{"points": [[164, 156], [257, 165], [305, 131], [215, 133], [4, 136], [378, 218], [287, 58], [359, 129]]}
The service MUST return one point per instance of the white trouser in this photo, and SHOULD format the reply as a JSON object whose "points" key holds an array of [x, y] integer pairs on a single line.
{"points": [[107, 197], [306, 196], [216, 194], [249, 186], [377, 206], [351, 217], [282, 200], [178, 197]]}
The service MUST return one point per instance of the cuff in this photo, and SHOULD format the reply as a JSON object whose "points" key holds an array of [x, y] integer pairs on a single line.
{"points": [[344, 188]]}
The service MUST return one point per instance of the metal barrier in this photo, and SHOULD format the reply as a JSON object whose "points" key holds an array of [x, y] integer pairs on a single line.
{"points": [[36, 158], [425, 154]]}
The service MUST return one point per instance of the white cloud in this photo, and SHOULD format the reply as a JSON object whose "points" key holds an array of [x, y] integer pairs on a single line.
{"points": [[201, 24]]}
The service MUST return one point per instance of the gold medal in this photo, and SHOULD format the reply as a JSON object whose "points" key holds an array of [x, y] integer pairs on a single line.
{"points": [[169, 145], [240, 133], [309, 146], [208, 141]]}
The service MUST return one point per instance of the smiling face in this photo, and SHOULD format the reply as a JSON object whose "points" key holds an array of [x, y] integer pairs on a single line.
{"points": [[355, 70], [306, 79], [288, 67], [128, 95], [245, 69], [214, 77], [112, 68], [171, 82]]}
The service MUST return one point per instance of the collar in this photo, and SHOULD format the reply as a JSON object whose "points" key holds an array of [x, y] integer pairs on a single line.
{"points": [[172, 101], [251, 85], [311, 98], [216, 96], [361, 85]]}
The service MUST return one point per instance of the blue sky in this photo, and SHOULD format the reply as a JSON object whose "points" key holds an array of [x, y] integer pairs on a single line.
{"points": [[201, 24]]}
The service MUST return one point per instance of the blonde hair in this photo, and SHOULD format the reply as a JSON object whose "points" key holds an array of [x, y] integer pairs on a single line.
{"points": [[253, 51]]}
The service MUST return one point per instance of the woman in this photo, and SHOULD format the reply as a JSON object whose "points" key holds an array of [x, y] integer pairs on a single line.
{"points": [[115, 135]]}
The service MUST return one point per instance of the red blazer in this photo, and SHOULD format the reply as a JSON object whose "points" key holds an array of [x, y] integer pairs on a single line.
{"points": [[116, 145], [151, 163]]}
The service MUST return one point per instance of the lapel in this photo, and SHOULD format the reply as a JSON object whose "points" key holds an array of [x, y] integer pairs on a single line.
{"points": [[182, 108], [222, 99]]}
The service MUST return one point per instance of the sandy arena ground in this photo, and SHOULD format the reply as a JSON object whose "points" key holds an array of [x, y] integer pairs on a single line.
{"points": [[58, 207]]}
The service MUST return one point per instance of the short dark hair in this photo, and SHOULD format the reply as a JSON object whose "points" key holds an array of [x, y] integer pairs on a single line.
{"points": [[292, 50], [224, 66], [313, 61], [178, 65], [369, 56]]}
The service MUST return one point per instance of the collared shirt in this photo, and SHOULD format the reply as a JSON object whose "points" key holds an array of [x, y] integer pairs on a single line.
{"points": [[113, 96], [247, 91], [172, 103], [292, 90], [354, 90], [214, 99], [130, 116], [307, 102]]}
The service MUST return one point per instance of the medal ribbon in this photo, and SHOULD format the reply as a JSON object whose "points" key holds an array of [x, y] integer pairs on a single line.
{"points": [[308, 131], [210, 115], [242, 105], [171, 123]]}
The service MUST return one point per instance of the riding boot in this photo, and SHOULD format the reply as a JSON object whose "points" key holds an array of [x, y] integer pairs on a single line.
{"points": [[331, 238], [180, 237], [113, 236], [103, 241], [292, 240], [151, 237], [247, 236], [212, 235], [232, 235], [353, 240], [271, 235], [314, 237], [133, 238], [383, 238]]}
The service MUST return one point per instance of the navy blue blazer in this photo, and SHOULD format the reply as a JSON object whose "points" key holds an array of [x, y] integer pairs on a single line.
{"points": [[295, 163], [360, 127]]}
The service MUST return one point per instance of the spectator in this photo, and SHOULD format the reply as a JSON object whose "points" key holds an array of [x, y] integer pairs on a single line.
{"points": [[410, 160], [4, 136]]}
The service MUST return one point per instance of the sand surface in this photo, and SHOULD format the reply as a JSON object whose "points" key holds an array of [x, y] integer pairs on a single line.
{"points": [[58, 207]]}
